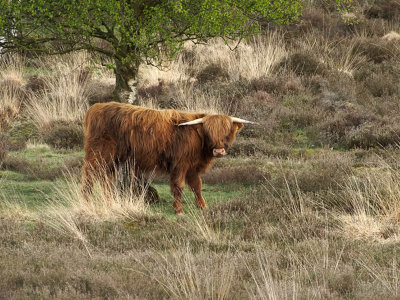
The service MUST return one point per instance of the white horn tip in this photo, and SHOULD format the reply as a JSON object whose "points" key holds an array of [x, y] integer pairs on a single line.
{"points": [[234, 119]]}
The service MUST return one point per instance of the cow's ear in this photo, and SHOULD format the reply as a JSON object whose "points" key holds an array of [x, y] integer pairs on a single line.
{"points": [[238, 125]]}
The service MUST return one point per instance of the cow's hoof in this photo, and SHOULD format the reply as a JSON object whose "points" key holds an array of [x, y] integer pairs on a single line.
{"points": [[202, 206], [180, 213]]}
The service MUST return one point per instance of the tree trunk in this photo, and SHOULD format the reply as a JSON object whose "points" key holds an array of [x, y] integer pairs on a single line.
{"points": [[126, 79]]}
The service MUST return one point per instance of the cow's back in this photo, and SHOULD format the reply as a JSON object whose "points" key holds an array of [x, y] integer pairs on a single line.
{"points": [[147, 137], [136, 133]]}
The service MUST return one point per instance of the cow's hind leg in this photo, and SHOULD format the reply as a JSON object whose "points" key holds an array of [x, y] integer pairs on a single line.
{"points": [[97, 168], [194, 181], [177, 185]]}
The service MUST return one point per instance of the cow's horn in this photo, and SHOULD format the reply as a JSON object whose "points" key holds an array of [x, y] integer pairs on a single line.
{"points": [[238, 120], [197, 121]]}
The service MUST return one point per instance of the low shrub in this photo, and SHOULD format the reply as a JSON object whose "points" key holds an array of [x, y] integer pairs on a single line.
{"points": [[277, 85], [379, 79], [152, 91], [314, 18], [302, 64], [384, 9], [381, 84], [249, 147], [99, 91], [212, 72], [73, 164], [242, 175], [370, 135], [33, 170], [63, 135], [16, 164], [20, 132], [37, 83], [3, 148], [333, 131], [376, 50]]}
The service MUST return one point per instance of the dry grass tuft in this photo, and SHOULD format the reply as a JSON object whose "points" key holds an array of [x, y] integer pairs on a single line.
{"points": [[11, 88], [66, 95], [375, 201], [188, 274], [391, 36], [252, 58]]}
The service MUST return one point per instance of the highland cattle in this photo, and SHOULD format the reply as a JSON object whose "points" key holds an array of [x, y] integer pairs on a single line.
{"points": [[181, 144]]}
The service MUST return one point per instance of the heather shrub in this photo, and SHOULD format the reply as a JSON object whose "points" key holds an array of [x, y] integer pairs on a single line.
{"points": [[73, 164], [63, 135], [20, 132], [382, 84], [33, 170], [376, 50], [152, 91], [37, 83], [249, 147], [212, 72], [100, 91], [386, 9], [3, 148], [380, 79], [16, 164], [241, 175], [314, 18], [332, 131], [372, 134], [326, 171], [277, 85], [302, 64]]}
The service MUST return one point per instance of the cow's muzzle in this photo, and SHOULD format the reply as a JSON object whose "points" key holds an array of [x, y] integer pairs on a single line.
{"points": [[219, 152]]}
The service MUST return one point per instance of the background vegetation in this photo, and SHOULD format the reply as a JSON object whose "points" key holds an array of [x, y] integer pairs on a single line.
{"points": [[306, 205]]}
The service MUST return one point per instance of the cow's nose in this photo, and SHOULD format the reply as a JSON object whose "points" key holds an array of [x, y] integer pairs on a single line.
{"points": [[219, 152]]}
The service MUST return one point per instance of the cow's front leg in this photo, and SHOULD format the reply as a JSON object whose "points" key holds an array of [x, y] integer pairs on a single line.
{"points": [[177, 185], [194, 181]]}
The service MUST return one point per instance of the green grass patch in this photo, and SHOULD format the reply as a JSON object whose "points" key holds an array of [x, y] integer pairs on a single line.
{"points": [[212, 194], [32, 194]]}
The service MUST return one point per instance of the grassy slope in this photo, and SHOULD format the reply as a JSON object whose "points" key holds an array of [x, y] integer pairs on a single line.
{"points": [[289, 236]]}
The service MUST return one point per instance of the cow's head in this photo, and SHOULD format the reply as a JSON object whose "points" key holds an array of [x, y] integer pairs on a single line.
{"points": [[220, 132]]}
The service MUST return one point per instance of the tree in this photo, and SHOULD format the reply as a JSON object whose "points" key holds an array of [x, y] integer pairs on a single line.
{"points": [[132, 32]]}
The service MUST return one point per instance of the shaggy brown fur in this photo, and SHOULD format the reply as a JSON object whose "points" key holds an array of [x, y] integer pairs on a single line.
{"points": [[150, 140]]}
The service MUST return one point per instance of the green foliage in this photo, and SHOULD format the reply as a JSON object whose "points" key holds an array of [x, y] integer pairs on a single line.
{"points": [[136, 30], [346, 8]]}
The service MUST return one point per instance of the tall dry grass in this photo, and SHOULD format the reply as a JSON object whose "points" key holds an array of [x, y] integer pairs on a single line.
{"points": [[251, 59], [337, 55], [11, 83], [65, 96], [68, 211], [375, 199], [185, 273]]}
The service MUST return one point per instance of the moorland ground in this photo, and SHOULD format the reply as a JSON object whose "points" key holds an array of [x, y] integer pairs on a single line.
{"points": [[307, 205]]}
